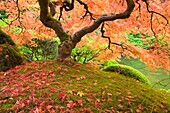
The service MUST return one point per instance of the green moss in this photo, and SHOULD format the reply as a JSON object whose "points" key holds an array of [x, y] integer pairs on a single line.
{"points": [[4, 38], [103, 91], [14, 55], [10, 56], [9, 53], [9, 105], [128, 71], [108, 63]]}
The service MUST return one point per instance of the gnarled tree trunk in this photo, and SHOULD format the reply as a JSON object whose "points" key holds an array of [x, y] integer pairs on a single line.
{"points": [[64, 52], [9, 54], [68, 41]]}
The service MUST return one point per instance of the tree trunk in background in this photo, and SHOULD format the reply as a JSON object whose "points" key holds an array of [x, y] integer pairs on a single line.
{"points": [[9, 54]]}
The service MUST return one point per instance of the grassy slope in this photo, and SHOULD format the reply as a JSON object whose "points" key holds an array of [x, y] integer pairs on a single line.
{"points": [[50, 86]]}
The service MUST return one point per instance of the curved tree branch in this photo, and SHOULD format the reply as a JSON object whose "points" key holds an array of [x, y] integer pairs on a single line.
{"points": [[106, 17], [67, 6], [109, 40], [52, 8], [87, 10], [124, 47], [47, 19]]}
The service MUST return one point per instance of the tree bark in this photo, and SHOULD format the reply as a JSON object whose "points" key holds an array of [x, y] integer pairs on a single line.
{"points": [[9, 54], [76, 37], [64, 52]]}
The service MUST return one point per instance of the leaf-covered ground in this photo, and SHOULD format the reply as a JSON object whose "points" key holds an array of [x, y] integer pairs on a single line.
{"points": [[42, 87]]}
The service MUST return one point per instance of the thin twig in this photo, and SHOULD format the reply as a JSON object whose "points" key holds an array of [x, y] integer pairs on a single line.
{"points": [[152, 14], [18, 16], [87, 10], [67, 6], [110, 42]]}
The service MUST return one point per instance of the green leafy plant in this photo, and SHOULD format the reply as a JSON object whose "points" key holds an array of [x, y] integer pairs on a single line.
{"points": [[84, 54], [139, 41], [3, 15], [128, 71], [42, 50]]}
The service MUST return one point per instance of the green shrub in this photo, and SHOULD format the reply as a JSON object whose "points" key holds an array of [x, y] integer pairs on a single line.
{"points": [[128, 71], [3, 15], [139, 41], [44, 50], [83, 54], [48, 49], [3, 18]]}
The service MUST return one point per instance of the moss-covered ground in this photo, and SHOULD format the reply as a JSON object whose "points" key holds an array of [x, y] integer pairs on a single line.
{"points": [[53, 87], [160, 78]]}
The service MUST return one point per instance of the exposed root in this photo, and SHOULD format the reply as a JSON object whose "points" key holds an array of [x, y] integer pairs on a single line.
{"points": [[68, 60]]}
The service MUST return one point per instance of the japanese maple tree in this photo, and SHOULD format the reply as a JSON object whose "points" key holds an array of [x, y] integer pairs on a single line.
{"points": [[69, 41], [98, 18]]}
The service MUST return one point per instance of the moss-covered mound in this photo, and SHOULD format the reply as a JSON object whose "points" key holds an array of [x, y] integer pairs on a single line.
{"points": [[128, 71]]}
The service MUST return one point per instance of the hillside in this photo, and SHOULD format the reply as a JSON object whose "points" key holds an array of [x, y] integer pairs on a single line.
{"points": [[54, 87]]}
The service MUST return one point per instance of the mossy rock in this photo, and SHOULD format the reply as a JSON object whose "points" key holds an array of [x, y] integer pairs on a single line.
{"points": [[9, 57], [4, 38], [128, 71], [9, 53]]}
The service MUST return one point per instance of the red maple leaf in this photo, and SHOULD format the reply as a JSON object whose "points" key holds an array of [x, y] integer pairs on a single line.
{"points": [[62, 96]]}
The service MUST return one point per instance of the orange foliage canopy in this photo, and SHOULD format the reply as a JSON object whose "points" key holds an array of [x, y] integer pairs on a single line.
{"points": [[26, 16]]}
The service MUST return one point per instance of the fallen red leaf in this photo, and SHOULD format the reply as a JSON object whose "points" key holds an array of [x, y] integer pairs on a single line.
{"points": [[62, 96]]}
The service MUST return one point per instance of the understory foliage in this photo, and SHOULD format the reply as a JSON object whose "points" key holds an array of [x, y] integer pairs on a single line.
{"points": [[3, 15], [84, 54], [143, 41], [38, 49], [47, 49]]}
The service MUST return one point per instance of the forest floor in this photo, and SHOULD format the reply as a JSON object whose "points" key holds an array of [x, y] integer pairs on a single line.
{"points": [[49, 86]]}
